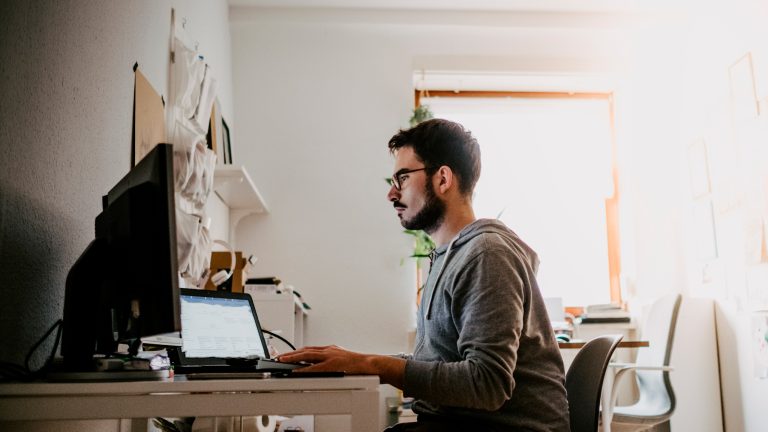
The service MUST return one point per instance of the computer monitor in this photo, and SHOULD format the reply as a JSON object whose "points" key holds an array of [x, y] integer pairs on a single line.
{"points": [[125, 284]]}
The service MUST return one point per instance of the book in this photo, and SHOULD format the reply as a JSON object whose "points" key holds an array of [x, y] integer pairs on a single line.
{"points": [[263, 285], [605, 313], [602, 320], [609, 307]]}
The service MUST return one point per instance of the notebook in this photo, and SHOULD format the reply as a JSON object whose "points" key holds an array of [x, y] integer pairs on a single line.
{"points": [[221, 334]]}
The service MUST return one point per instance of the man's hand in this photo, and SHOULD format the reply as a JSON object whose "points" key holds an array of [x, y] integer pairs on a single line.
{"points": [[329, 358], [391, 370]]}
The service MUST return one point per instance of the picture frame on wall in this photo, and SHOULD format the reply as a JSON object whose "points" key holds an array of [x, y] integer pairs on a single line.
{"points": [[213, 136], [704, 229], [226, 143], [216, 133], [745, 105], [698, 166]]}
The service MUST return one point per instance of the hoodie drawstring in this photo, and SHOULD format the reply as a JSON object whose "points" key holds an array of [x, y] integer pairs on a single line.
{"points": [[439, 273]]}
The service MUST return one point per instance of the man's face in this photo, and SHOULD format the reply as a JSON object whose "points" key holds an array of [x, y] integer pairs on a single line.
{"points": [[416, 203]]}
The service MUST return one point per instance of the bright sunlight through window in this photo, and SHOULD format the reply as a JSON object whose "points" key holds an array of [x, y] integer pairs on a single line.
{"points": [[546, 174]]}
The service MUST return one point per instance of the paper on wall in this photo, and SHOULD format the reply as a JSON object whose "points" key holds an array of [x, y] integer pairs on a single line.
{"points": [[760, 343], [148, 118]]}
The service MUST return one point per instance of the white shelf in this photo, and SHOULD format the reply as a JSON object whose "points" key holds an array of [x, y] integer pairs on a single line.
{"points": [[235, 187]]}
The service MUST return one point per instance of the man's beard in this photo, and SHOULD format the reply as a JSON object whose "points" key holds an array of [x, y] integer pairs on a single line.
{"points": [[431, 216]]}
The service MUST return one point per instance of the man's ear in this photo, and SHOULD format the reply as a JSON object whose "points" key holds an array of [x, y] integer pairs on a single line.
{"points": [[445, 179]]}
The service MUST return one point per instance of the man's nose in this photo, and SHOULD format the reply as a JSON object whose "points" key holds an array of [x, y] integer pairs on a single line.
{"points": [[393, 194]]}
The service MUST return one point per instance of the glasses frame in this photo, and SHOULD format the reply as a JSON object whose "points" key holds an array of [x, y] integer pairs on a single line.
{"points": [[395, 179]]}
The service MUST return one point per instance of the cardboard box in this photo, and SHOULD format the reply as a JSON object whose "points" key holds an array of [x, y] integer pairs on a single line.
{"points": [[222, 261]]}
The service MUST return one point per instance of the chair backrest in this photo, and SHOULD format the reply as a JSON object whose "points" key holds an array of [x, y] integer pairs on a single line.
{"points": [[655, 388], [584, 381]]}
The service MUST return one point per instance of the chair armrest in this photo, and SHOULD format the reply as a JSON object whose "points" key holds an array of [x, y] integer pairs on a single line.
{"points": [[622, 366], [621, 370]]}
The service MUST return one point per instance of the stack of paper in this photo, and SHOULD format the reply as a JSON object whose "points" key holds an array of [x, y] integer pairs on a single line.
{"points": [[605, 313], [264, 285]]}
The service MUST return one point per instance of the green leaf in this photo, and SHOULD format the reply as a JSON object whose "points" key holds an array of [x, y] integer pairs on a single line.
{"points": [[423, 243], [420, 114]]}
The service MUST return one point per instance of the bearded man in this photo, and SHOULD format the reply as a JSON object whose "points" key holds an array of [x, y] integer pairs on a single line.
{"points": [[486, 358]]}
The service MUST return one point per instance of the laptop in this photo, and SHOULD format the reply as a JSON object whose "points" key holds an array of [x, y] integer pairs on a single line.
{"points": [[220, 333]]}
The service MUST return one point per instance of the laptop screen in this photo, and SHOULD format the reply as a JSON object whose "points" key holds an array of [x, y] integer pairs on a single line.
{"points": [[219, 325]]}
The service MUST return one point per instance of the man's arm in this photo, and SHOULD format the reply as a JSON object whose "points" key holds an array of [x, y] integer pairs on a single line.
{"points": [[390, 369]]}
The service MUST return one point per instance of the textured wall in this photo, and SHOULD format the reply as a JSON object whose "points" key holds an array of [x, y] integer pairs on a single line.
{"points": [[66, 82]]}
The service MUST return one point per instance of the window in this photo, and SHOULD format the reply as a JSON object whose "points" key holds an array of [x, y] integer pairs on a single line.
{"points": [[549, 174]]}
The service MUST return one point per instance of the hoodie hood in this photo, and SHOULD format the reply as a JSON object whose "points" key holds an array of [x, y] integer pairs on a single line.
{"points": [[476, 228], [491, 226]]}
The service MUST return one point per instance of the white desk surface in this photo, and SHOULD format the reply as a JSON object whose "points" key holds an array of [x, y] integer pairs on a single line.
{"points": [[181, 384], [354, 395]]}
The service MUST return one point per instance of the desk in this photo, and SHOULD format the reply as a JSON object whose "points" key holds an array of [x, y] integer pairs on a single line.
{"points": [[354, 395], [622, 344]]}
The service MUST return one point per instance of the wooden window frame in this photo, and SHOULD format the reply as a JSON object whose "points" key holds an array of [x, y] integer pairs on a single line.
{"points": [[611, 203]]}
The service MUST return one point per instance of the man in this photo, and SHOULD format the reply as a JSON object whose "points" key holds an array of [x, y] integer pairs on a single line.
{"points": [[486, 358]]}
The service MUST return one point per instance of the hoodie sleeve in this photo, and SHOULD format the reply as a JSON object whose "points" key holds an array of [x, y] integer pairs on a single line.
{"points": [[487, 301]]}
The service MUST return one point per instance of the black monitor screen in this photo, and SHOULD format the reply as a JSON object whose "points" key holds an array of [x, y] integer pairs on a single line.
{"points": [[125, 285]]}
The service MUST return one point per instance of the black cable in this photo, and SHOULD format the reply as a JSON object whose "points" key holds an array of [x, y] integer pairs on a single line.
{"points": [[12, 371], [57, 325], [279, 337]]}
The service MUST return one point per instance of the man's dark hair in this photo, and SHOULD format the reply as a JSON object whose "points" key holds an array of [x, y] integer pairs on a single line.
{"points": [[439, 142]]}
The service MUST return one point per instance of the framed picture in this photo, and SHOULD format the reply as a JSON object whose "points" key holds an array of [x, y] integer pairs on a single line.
{"points": [[213, 134], [698, 166], [226, 143], [704, 230], [745, 105]]}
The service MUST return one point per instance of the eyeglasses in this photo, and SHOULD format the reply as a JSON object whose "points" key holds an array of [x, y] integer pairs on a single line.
{"points": [[401, 176]]}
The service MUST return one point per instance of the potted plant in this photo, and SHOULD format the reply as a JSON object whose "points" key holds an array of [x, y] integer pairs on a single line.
{"points": [[423, 246]]}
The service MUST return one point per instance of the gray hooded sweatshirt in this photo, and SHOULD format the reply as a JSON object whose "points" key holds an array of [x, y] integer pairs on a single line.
{"points": [[485, 351]]}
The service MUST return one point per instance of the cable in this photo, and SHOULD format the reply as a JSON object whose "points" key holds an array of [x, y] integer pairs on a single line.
{"points": [[57, 325], [12, 371], [279, 337]]}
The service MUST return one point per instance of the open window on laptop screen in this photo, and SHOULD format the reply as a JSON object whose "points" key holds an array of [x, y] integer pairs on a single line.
{"points": [[219, 327]]}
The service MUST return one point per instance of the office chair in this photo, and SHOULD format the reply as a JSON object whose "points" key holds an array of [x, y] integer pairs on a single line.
{"points": [[584, 382], [657, 399]]}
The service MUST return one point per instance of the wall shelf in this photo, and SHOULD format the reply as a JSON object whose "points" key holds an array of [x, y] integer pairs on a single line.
{"points": [[236, 189]]}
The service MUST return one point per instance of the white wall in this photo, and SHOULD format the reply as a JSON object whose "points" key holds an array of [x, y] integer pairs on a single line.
{"points": [[680, 93], [319, 94], [66, 81]]}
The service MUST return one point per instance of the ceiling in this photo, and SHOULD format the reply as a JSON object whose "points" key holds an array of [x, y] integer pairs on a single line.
{"points": [[472, 5]]}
